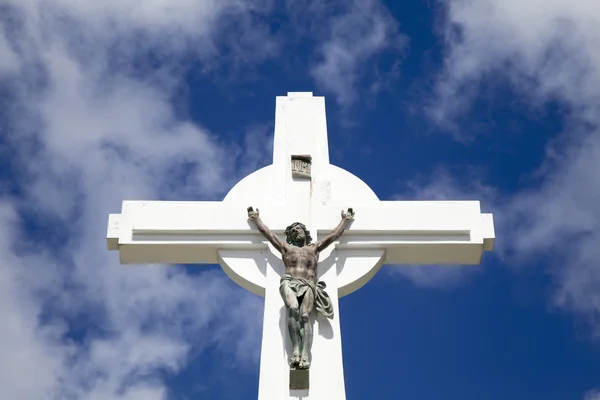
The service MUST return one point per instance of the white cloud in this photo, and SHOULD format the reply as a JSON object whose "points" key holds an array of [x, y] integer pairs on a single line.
{"points": [[351, 40], [91, 124], [24, 347], [433, 276], [547, 51], [9, 62], [592, 395]]}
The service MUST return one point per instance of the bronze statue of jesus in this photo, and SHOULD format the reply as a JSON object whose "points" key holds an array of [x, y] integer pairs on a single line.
{"points": [[298, 286]]}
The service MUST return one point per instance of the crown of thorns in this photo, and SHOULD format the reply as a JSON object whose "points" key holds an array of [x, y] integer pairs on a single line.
{"points": [[288, 232]]}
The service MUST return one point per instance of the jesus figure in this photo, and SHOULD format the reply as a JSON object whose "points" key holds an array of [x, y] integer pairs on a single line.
{"points": [[298, 286]]}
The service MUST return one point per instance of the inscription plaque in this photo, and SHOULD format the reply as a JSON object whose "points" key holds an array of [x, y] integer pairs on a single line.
{"points": [[301, 166]]}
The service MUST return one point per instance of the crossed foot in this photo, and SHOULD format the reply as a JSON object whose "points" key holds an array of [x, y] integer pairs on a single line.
{"points": [[299, 361]]}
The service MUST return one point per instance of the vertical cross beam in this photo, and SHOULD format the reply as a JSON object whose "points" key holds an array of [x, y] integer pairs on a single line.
{"points": [[300, 131]]}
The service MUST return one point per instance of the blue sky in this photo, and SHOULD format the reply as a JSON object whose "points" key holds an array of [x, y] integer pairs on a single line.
{"points": [[452, 99]]}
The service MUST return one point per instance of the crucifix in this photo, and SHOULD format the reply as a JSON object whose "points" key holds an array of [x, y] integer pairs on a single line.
{"points": [[301, 280]]}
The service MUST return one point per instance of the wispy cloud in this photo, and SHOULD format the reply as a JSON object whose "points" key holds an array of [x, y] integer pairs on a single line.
{"points": [[90, 123], [351, 36], [547, 51], [592, 395]]}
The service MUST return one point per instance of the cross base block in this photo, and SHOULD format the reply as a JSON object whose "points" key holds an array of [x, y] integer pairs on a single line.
{"points": [[299, 379]]}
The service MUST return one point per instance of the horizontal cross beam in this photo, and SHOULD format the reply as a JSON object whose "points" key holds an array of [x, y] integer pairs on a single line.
{"points": [[410, 232], [417, 232]]}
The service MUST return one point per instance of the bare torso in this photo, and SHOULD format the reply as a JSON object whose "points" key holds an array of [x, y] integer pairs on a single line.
{"points": [[301, 262]]}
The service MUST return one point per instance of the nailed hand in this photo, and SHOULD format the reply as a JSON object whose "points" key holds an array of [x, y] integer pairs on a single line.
{"points": [[348, 215], [252, 214]]}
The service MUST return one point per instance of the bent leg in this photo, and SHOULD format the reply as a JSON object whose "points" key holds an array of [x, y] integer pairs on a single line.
{"points": [[294, 322]]}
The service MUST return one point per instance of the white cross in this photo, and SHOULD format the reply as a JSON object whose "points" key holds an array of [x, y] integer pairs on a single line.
{"points": [[210, 232]]}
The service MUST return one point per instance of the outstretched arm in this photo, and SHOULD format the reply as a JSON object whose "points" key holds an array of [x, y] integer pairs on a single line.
{"points": [[271, 237], [337, 232]]}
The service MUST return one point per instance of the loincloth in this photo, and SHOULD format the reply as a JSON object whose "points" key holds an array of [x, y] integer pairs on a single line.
{"points": [[300, 286]]}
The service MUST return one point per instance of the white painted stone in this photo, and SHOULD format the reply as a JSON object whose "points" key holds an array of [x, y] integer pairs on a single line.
{"points": [[394, 232]]}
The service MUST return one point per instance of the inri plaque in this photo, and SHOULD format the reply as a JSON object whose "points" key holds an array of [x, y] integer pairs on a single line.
{"points": [[301, 166]]}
